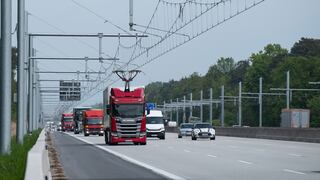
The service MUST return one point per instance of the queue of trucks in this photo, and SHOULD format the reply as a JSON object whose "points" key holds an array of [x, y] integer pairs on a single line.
{"points": [[124, 117]]}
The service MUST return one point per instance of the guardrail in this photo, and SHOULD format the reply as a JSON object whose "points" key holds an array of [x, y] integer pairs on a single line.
{"points": [[288, 134], [37, 166]]}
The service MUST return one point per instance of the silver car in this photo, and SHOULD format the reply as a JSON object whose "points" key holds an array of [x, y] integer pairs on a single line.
{"points": [[185, 129], [203, 130]]}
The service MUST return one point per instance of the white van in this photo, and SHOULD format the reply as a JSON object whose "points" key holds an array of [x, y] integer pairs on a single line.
{"points": [[155, 124]]}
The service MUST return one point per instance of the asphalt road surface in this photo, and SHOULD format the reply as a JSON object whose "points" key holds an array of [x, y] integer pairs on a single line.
{"points": [[226, 158], [82, 161]]}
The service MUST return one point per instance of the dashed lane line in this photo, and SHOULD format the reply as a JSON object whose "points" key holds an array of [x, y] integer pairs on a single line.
{"points": [[213, 156], [245, 162], [187, 151], [294, 172]]}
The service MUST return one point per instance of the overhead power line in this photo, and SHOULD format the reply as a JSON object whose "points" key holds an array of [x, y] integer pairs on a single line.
{"points": [[100, 16]]}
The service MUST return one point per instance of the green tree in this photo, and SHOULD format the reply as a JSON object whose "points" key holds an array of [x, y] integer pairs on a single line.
{"points": [[306, 47]]}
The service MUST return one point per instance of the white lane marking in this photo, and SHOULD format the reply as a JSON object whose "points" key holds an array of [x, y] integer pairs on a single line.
{"points": [[292, 171], [187, 151], [211, 155], [244, 162], [134, 161], [296, 155]]}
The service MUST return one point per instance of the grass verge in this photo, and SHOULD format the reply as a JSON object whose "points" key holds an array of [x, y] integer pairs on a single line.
{"points": [[13, 166]]}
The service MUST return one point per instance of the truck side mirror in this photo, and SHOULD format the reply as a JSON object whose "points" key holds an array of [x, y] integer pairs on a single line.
{"points": [[148, 111], [108, 109]]}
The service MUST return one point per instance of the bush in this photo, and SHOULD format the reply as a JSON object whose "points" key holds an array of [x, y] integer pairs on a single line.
{"points": [[13, 166]]}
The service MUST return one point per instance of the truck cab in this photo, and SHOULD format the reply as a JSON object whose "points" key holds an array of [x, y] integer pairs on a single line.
{"points": [[67, 122], [92, 122], [155, 124], [125, 119]]}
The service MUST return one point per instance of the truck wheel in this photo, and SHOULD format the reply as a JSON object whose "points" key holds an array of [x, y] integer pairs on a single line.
{"points": [[213, 138], [193, 138], [106, 139], [179, 136], [86, 134], [163, 137], [143, 143], [100, 134]]}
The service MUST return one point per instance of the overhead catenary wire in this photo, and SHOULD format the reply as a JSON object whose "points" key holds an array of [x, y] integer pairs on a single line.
{"points": [[100, 16]]}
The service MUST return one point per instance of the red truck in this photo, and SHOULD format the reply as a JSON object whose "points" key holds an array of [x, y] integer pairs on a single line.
{"points": [[125, 118], [67, 122], [92, 121]]}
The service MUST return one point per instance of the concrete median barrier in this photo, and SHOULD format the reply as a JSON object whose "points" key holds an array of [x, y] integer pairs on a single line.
{"points": [[38, 167], [288, 134]]}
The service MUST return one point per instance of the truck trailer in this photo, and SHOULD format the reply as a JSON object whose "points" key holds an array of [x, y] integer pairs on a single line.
{"points": [[77, 118]]}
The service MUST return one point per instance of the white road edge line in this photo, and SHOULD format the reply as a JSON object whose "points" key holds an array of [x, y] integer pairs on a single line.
{"points": [[211, 155], [187, 151], [245, 162], [129, 159], [292, 171]]}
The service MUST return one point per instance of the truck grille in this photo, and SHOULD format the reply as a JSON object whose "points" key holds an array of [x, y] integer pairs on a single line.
{"points": [[128, 128]]}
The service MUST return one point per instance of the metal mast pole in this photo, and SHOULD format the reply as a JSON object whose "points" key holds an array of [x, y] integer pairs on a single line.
{"points": [[288, 89], [177, 112], [5, 77], [184, 109], [171, 110], [210, 112], [240, 105], [25, 72], [222, 106], [201, 106], [191, 105], [20, 76], [164, 108], [34, 101], [30, 103], [131, 15], [260, 102], [100, 46]]}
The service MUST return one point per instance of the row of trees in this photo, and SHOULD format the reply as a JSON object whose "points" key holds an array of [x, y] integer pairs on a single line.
{"points": [[271, 63]]}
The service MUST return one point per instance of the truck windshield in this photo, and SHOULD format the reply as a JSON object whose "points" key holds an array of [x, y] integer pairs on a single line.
{"points": [[127, 110], [154, 120], [68, 119], [94, 121]]}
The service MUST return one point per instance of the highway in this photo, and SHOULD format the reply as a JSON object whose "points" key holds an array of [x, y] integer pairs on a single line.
{"points": [[226, 158]]}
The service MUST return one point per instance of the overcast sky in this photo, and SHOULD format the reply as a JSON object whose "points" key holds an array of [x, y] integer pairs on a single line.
{"points": [[274, 21]]}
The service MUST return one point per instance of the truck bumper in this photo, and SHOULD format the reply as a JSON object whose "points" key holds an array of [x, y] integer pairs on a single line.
{"points": [[134, 140], [93, 131]]}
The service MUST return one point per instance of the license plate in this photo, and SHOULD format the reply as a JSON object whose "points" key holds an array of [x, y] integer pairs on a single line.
{"points": [[153, 135], [128, 140]]}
